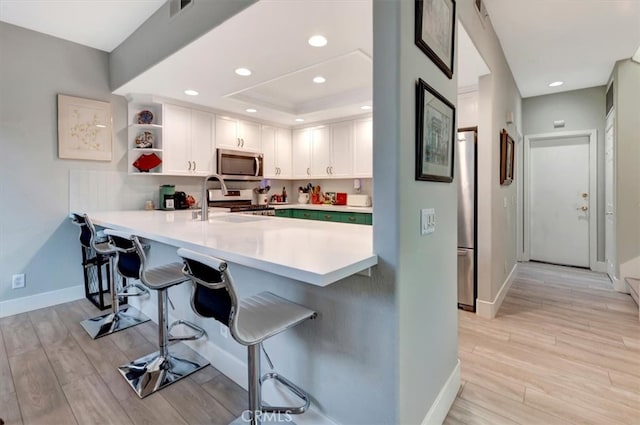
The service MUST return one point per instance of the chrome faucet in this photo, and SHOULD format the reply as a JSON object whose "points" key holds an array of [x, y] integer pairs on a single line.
{"points": [[204, 215]]}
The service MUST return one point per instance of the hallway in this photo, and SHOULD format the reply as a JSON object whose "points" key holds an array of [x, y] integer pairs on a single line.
{"points": [[563, 349]]}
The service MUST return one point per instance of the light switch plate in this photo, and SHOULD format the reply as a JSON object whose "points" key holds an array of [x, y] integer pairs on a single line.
{"points": [[427, 221]]}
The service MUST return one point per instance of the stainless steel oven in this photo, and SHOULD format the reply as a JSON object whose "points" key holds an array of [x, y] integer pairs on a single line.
{"points": [[240, 165]]}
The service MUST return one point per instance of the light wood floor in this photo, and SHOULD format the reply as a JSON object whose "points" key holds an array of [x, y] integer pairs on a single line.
{"points": [[53, 373], [564, 349]]}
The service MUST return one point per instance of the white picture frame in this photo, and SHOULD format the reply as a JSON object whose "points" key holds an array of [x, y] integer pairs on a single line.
{"points": [[85, 129]]}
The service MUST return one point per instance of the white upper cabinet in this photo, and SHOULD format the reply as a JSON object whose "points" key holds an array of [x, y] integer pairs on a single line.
{"points": [[363, 149], [276, 146], [320, 151], [232, 133], [301, 153], [341, 164], [188, 141]]}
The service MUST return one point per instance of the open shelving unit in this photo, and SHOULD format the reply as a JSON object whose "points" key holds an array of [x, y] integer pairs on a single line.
{"points": [[135, 107]]}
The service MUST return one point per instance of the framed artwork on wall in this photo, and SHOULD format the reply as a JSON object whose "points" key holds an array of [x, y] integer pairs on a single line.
{"points": [[84, 129], [435, 135], [435, 31], [507, 158]]}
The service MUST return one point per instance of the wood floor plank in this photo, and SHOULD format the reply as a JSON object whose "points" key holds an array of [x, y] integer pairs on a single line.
{"points": [[48, 326], [152, 410], [232, 396], [93, 403], [19, 335], [471, 372], [68, 361], [204, 375], [6, 380], [468, 413], [9, 410], [39, 395], [195, 405]]}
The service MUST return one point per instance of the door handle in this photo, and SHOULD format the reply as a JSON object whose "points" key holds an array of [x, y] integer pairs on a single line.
{"points": [[189, 165], [583, 208], [194, 166]]}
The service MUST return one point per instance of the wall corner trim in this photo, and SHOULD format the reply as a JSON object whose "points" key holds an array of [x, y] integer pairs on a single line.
{"points": [[487, 309], [447, 395], [42, 300]]}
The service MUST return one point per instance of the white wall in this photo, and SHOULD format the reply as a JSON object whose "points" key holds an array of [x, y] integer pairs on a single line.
{"points": [[421, 268], [497, 95], [581, 110]]}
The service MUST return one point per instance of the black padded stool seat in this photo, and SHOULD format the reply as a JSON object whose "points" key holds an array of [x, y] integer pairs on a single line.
{"points": [[250, 320], [156, 370]]}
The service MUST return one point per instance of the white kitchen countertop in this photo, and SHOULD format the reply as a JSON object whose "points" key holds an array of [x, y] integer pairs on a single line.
{"points": [[323, 207], [315, 252]]}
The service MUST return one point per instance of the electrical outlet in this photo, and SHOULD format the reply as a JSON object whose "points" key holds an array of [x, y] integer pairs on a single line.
{"points": [[17, 281], [427, 221], [224, 331]]}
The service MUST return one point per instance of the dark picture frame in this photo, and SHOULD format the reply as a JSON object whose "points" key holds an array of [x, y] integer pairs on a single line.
{"points": [[435, 31], [435, 135], [507, 158]]}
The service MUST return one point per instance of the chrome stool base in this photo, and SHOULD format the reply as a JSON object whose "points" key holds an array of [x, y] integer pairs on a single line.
{"points": [[154, 372], [109, 323]]}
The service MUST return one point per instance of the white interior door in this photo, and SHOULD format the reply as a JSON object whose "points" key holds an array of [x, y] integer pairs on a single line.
{"points": [[609, 197], [559, 200]]}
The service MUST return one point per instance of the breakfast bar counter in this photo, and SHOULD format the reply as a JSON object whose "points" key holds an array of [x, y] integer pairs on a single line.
{"points": [[314, 252]]}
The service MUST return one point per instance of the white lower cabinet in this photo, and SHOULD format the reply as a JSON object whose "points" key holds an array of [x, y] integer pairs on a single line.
{"points": [[276, 147], [188, 141]]}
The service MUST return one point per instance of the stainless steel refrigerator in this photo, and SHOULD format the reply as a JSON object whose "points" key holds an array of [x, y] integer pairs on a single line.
{"points": [[465, 172]]}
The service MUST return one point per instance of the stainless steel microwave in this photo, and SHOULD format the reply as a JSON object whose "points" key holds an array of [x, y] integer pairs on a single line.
{"points": [[240, 165]]}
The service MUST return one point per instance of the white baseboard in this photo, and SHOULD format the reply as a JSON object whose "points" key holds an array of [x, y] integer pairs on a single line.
{"points": [[489, 309], [440, 407], [42, 300]]}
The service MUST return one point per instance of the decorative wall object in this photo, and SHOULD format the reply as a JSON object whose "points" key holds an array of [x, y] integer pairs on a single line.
{"points": [[435, 31], [435, 132], [507, 158], [84, 129]]}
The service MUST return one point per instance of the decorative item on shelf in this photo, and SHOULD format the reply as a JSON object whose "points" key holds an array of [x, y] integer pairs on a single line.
{"points": [[147, 162], [330, 198], [144, 140], [341, 198], [145, 117]]}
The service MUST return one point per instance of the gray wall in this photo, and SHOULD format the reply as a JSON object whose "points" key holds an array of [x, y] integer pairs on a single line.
{"points": [[497, 96], [626, 77], [421, 268], [581, 110]]}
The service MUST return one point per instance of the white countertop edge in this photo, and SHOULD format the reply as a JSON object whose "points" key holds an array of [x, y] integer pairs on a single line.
{"points": [[313, 278]]}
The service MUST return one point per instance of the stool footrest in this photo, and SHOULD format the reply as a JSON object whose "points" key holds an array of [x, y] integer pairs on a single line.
{"points": [[296, 390], [199, 332], [141, 290]]}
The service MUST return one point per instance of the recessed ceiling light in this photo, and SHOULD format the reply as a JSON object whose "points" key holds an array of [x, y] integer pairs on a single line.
{"points": [[365, 108], [251, 110], [318, 41], [245, 72], [556, 84], [319, 79], [191, 92], [299, 119]]}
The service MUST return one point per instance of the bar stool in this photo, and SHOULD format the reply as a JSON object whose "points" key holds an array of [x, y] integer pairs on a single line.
{"points": [[154, 371], [119, 318], [251, 321]]}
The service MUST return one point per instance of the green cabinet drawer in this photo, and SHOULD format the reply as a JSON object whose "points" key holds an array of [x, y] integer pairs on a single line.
{"points": [[283, 213], [329, 216], [368, 219], [305, 214], [354, 218]]}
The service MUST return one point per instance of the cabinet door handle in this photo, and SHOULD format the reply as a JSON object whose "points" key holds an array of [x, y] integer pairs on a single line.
{"points": [[238, 141], [308, 172], [241, 142], [306, 215], [194, 166], [328, 217], [327, 170], [189, 165], [331, 170], [351, 218]]}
